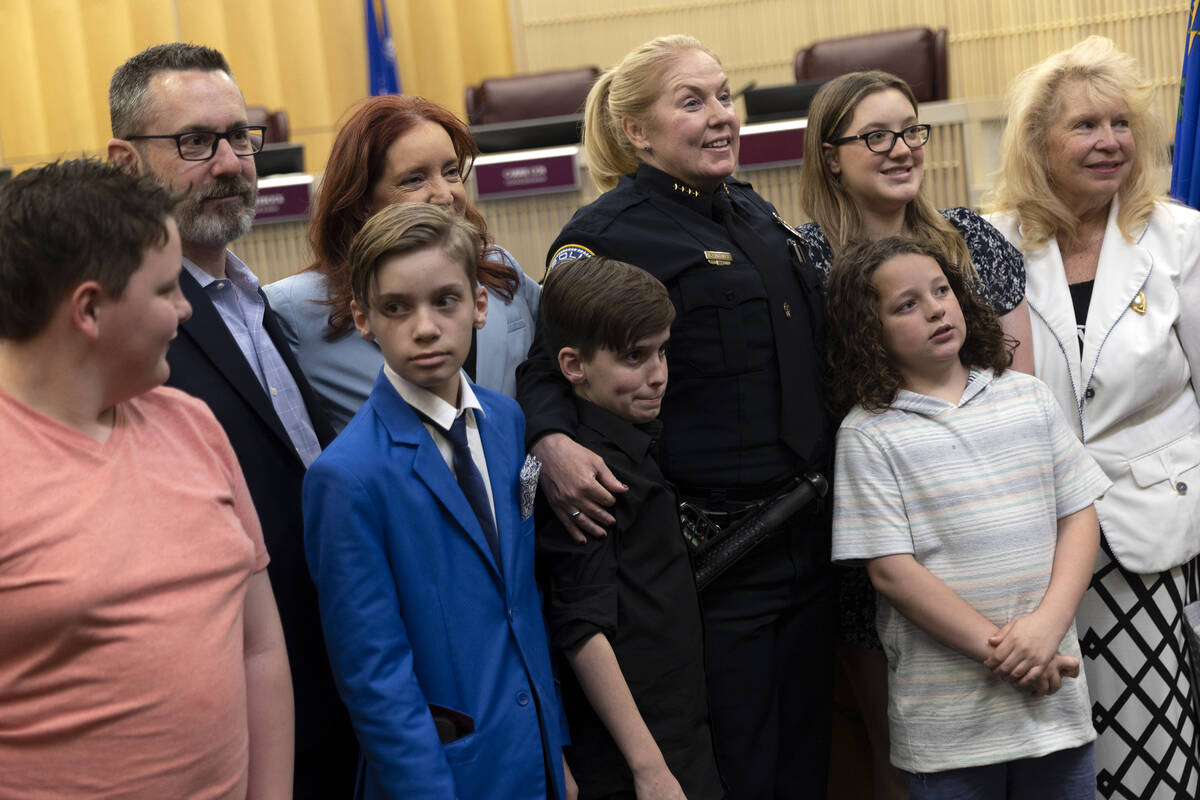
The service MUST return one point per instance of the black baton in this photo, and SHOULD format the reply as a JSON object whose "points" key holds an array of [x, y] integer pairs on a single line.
{"points": [[742, 537]]}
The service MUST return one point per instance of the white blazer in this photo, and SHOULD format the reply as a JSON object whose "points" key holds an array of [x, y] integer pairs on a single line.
{"points": [[1131, 396]]}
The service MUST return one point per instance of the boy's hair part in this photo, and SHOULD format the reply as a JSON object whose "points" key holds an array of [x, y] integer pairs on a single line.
{"points": [[406, 228], [597, 302], [68, 222], [859, 370], [128, 91]]}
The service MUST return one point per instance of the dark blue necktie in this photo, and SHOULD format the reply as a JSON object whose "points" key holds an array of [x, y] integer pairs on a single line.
{"points": [[471, 482]]}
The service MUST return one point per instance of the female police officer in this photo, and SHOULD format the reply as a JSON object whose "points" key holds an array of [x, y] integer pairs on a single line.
{"points": [[743, 412]]}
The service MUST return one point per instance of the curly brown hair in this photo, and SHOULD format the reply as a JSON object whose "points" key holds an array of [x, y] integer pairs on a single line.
{"points": [[356, 163], [859, 370]]}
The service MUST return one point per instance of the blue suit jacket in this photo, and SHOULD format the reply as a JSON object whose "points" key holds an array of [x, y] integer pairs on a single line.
{"points": [[416, 613]]}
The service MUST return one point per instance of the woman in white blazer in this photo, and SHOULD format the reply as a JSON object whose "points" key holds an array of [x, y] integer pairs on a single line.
{"points": [[1113, 285], [393, 149]]}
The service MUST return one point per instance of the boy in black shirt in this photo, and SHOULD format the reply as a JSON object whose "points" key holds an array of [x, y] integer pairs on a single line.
{"points": [[623, 608]]}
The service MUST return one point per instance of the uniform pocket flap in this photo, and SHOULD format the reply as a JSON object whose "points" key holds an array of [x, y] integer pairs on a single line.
{"points": [[1167, 463], [726, 289]]}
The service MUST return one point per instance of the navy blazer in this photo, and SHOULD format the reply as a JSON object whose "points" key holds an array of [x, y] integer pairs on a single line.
{"points": [[206, 362], [418, 618]]}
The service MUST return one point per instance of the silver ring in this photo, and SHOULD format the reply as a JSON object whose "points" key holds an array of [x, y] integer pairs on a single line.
{"points": [[575, 515]]}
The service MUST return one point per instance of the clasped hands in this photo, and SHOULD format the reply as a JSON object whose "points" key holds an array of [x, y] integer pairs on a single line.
{"points": [[1025, 653]]}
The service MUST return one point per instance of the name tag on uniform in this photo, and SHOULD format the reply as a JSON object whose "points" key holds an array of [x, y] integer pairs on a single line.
{"points": [[718, 257]]}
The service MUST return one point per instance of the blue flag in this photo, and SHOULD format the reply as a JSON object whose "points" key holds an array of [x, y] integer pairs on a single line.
{"points": [[381, 53], [1185, 167]]}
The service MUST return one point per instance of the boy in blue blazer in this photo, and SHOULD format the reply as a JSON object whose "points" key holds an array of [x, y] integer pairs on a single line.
{"points": [[418, 532]]}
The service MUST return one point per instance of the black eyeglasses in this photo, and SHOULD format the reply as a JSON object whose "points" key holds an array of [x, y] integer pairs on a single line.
{"points": [[882, 141], [202, 145]]}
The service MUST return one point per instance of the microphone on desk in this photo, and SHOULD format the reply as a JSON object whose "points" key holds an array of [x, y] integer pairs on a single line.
{"points": [[752, 85]]}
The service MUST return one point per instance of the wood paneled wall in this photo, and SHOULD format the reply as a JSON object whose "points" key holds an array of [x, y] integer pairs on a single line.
{"points": [[305, 56], [308, 56], [990, 41]]}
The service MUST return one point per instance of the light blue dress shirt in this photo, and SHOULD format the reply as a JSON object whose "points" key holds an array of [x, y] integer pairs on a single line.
{"points": [[240, 306]]}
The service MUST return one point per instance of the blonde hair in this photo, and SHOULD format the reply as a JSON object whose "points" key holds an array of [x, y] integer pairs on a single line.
{"points": [[1024, 187], [627, 90], [822, 193]]}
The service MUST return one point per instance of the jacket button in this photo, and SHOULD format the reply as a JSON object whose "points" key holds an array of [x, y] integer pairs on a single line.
{"points": [[1181, 487], [509, 614], [1090, 393], [522, 698]]}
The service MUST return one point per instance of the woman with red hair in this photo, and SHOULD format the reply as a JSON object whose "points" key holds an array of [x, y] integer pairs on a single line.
{"points": [[394, 149]]}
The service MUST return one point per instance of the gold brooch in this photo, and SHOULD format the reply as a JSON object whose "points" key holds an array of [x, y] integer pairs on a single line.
{"points": [[787, 310], [1139, 303]]}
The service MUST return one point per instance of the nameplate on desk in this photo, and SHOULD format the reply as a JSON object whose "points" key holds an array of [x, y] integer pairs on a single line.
{"points": [[772, 144], [528, 172], [283, 198]]}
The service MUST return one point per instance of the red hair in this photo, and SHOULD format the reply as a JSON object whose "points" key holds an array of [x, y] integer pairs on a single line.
{"points": [[356, 163]]}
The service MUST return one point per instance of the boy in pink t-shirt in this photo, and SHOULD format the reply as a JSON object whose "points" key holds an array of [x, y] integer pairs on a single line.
{"points": [[142, 651]]}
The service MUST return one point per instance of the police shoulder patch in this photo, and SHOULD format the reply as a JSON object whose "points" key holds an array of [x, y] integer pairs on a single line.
{"points": [[568, 252]]}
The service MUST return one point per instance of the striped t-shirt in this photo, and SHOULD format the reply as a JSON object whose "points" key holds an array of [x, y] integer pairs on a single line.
{"points": [[973, 491]]}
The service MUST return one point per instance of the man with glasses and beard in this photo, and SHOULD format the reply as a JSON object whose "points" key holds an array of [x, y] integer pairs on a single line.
{"points": [[178, 115]]}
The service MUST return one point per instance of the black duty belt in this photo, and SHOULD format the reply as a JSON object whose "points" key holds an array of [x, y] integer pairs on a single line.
{"points": [[719, 539]]}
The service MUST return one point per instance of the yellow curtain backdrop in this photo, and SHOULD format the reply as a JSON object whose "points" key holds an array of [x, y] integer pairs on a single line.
{"points": [[305, 56]]}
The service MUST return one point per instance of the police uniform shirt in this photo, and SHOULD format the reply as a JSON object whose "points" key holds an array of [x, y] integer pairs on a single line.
{"points": [[722, 411]]}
